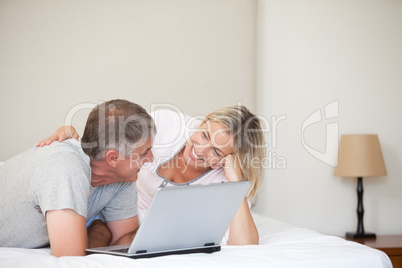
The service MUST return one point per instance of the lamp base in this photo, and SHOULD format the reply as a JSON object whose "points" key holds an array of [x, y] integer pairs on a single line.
{"points": [[360, 235]]}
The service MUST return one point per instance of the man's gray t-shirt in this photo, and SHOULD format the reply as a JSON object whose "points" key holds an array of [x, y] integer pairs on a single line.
{"points": [[52, 178]]}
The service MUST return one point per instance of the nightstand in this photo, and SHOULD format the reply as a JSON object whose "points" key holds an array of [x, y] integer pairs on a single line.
{"points": [[390, 244]]}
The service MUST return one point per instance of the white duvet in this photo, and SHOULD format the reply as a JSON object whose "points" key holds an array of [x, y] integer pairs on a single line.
{"points": [[281, 245]]}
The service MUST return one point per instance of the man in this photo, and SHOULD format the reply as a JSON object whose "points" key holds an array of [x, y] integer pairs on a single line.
{"points": [[48, 193]]}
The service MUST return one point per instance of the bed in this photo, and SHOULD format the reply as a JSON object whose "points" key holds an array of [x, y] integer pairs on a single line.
{"points": [[281, 245]]}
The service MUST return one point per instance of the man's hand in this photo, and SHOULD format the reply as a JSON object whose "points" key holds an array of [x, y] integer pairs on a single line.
{"points": [[99, 235], [67, 233]]}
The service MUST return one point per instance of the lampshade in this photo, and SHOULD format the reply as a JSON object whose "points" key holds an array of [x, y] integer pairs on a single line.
{"points": [[360, 156]]}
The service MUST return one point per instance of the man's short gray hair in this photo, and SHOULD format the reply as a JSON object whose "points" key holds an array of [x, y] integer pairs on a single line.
{"points": [[116, 125]]}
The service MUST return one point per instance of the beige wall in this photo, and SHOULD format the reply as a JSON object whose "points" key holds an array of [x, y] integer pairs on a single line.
{"points": [[54, 55], [310, 54], [200, 55]]}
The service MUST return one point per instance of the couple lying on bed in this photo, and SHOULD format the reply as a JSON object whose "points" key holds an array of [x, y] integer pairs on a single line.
{"points": [[225, 146]]}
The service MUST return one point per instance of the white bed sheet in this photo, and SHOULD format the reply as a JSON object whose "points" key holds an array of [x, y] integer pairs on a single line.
{"points": [[281, 245]]}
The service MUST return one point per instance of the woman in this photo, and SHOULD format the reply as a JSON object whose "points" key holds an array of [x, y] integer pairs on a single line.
{"points": [[228, 145]]}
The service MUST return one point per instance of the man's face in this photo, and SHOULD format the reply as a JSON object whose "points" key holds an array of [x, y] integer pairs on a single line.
{"points": [[129, 167]]}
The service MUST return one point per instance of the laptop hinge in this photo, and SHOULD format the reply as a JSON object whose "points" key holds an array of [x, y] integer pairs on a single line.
{"points": [[209, 244], [141, 251]]}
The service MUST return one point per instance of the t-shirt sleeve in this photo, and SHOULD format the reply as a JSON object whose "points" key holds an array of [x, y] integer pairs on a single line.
{"points": [[124, 203], [61, 182]]}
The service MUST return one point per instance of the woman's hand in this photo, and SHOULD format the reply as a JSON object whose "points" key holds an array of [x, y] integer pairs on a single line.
{"points": [[61, 134], [231, 166]]}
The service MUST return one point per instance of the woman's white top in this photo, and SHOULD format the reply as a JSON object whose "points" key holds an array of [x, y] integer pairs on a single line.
{"points": [[173, 131]]}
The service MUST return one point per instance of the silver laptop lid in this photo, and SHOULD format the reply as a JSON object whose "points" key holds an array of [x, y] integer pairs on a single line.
{"points": [[188, 216]]}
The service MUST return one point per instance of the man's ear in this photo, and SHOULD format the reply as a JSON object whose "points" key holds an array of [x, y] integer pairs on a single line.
{"points": [[112, 157]]}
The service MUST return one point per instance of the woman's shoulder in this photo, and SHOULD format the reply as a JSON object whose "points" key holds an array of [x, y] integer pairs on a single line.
{"points": [[167, 119], [171, 126], [162, 117]]}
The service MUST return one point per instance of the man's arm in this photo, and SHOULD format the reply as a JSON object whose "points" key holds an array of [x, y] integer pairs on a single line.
{"points": [[67, 233], [123, 231]]}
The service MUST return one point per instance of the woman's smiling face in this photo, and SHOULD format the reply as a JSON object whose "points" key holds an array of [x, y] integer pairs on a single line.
{"points": [[208, 145]]}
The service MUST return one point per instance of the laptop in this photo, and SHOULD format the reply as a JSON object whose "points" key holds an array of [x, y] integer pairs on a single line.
{"points": [[184, 219]]}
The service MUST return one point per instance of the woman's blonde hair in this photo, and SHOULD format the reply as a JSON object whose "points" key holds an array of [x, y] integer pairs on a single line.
{"points": [[249, 141]]}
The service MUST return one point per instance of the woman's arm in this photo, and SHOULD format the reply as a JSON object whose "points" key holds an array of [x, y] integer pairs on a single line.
{"points": [[242, 229], [61, 134]]}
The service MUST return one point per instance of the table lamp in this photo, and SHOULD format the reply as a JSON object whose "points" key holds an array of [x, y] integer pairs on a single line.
{"points": [[360, 156]]}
